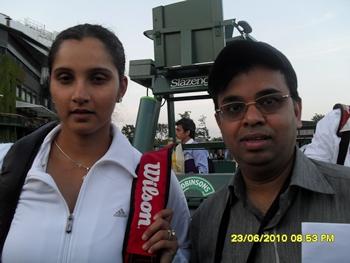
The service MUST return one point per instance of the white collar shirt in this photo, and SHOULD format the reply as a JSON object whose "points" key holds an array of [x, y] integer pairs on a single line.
{"points": [[325, 142]]}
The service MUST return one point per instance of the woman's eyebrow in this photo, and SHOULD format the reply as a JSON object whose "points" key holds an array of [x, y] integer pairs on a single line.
{"points": [[60, 69]]}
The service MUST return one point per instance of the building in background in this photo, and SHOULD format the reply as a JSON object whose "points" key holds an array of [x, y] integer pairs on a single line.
{"points": [[24, 93], [306, 132]]}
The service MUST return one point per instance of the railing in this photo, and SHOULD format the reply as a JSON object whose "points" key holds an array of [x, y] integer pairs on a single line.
{"points": [[13, 120]]}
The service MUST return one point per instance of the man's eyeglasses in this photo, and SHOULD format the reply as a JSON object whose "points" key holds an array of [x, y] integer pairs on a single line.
{"points": [[266, 104]]}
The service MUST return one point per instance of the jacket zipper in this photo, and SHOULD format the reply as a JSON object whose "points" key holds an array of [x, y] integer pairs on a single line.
{"points": [[69, 224], [67, 238]]}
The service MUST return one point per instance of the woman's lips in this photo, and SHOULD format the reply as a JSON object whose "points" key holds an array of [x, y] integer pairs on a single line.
{"points": [[81, 111], [81, 114]]}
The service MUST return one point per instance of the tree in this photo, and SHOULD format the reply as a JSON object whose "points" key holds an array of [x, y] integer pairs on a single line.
{"points": [[161, 134], [202, 131], [11, 75], [186, 114], [317, 117], [129, 131]]}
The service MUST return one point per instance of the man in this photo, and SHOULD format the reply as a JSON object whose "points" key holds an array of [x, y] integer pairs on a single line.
{"points": [[331, 139], [196, 160], [276, 187]]}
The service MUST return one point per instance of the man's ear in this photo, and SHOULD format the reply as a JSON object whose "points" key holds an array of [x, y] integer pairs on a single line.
{"points": [[297, 113], [218, 119]]}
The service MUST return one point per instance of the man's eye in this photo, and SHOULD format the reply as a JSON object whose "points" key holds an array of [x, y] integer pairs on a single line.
{"points": [[268, 101], [234, 107]]}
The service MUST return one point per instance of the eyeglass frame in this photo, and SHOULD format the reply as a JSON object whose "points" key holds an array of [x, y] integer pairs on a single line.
{"points": [[246, 106]]}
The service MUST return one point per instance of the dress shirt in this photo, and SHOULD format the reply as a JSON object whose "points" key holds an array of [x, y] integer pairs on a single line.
{"points": [[200, 157], [318, 192]]}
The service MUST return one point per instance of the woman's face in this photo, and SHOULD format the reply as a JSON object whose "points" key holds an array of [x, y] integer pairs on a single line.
{"points": [[85, 85]]}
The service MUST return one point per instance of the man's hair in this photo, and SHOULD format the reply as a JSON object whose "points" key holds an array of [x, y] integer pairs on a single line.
{"points": [[240, 56], [111, 42], [188, 125]]}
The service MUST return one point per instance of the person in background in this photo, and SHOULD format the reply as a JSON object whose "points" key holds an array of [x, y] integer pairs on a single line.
{"points": [[276, 187], [330, 142], [196, 160], [75, 200]]}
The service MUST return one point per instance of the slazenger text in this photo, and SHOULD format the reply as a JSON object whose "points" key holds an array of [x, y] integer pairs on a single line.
{"points": [[189, 82]]}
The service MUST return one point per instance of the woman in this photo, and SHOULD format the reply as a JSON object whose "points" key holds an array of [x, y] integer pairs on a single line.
{"points": [[75, 200]]}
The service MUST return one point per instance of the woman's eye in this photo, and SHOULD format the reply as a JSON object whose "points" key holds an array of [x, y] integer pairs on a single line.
{"points": [[64, 78], [99, 79]]}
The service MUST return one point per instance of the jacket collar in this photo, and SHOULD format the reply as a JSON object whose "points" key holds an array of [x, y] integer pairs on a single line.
{"points": [[189, 141], [120, 152]]}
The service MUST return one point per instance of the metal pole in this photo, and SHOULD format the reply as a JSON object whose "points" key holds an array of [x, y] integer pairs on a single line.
{"points": [[171, 118], [147, 119]]}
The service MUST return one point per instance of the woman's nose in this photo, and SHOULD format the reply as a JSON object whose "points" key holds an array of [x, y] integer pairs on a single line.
{"points": [[81, 93]]}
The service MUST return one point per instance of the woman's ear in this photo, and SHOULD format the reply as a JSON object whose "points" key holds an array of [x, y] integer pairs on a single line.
{"points": [[123, 85]]}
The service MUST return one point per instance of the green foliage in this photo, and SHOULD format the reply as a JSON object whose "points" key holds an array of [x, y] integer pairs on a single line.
{"points": [[129, 131], [202, 131], [186, 114], [317, 117], [11, 75], [161, 134]]}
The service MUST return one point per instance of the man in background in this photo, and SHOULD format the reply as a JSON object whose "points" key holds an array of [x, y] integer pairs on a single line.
{"points": [[196, 160], [330, 142]]}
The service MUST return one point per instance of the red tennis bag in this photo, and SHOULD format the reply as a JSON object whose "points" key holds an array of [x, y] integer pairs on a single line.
{"points": [[149, 195]]}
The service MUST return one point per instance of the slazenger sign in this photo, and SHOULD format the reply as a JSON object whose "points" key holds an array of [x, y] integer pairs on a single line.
{"points": [[197, 183], [191, 82]]}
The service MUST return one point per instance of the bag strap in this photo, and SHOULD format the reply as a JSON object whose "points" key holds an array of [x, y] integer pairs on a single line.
{"points": [[149, 195], [344, 135], [343, 147], [225, 219], [16, 165]]}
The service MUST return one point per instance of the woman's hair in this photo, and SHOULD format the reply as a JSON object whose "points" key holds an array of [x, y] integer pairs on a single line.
{"points": [[107, 37]]}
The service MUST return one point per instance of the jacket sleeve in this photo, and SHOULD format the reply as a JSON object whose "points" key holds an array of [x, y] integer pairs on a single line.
{"points": [[180, 221], [325, 143], [201, 160]]}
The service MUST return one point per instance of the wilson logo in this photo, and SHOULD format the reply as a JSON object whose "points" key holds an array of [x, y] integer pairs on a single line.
{"points": [[149, 190]]}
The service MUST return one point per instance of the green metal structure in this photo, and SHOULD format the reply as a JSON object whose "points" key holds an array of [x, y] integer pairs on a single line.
{"points": [[185, 45]]}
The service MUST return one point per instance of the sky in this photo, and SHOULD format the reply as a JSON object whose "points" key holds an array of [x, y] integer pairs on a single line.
{"points": [[313, 34]]}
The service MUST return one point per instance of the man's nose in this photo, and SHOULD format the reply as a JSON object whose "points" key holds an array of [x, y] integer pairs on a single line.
{"points": [[253, 115]]}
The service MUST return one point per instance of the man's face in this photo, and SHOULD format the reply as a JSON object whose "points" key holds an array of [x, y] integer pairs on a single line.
{"points": [[259, 139], [181, 134]]}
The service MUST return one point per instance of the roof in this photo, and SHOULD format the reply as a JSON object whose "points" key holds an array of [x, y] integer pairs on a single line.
{"points": [[36, 110]]}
